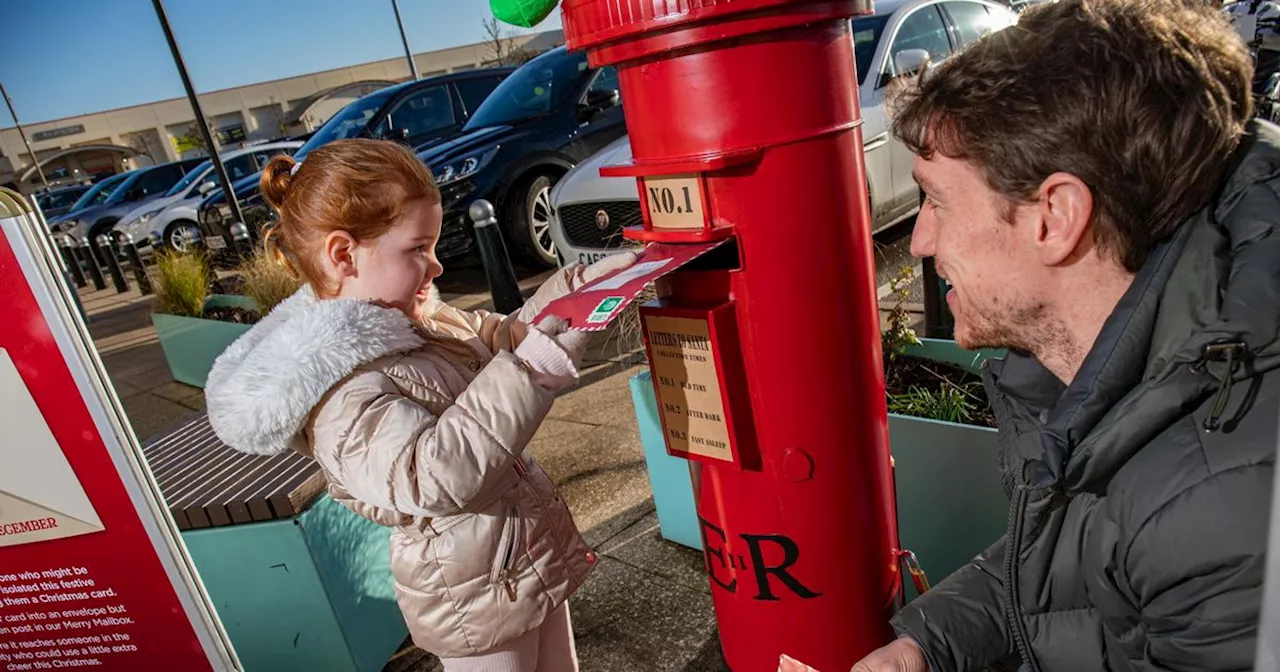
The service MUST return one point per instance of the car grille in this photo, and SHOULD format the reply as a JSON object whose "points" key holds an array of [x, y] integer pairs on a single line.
{"points": [[581, 227]]}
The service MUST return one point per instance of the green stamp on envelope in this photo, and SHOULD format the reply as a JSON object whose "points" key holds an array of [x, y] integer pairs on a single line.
{"points": [[605, 310]]}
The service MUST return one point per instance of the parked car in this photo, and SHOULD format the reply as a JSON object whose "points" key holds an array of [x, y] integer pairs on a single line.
{"points": [[139, 187], [95, 196], [171, 220], [903, 36], [417, 113], [551, 114], [58, 201]]}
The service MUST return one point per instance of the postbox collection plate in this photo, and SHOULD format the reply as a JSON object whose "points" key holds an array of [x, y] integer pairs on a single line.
{"points": [[695, 359]]}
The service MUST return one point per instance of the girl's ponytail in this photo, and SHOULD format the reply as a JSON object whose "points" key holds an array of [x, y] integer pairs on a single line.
{"points": [[275, 181]]}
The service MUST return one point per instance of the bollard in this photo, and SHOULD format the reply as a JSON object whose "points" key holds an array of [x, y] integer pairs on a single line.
{"points": [[497, 263], [135, 263], [67, 247], [241, 243], [938, 320], [106, 245], [91, 263]]}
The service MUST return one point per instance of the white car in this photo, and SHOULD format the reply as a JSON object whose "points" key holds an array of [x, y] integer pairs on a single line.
{"points": [[589, 211], [171, 219]]}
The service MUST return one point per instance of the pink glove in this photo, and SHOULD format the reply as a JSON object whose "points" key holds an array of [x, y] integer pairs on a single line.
{"points": [[569, 279]]}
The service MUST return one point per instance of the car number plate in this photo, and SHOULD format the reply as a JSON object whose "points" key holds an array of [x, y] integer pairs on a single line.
{"points": [[588, 258], [215, 242], [675, 202]]}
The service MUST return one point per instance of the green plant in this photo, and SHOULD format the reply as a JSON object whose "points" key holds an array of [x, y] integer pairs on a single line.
{"points": [[899, 335], [948, 403], [266, 281], [181, 283]]}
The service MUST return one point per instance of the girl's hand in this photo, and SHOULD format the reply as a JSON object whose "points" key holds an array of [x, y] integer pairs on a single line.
{"points": [[569, 279]]}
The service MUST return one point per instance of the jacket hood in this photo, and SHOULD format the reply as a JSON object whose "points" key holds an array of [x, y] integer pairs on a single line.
{"points": [[261, 390], [1216, 280]]}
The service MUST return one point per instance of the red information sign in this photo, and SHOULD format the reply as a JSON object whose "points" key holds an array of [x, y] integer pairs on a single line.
{"points": [[92, 574]]}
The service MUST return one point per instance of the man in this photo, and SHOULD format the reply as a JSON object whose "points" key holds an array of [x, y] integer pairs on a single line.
{"points": [[1105, 209]]}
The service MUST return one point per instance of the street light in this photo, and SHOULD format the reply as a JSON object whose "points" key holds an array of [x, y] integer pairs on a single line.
{"points": [[404, 37], [23, 133], [223, 179]]}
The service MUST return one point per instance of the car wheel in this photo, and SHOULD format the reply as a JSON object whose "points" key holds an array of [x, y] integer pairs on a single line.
{"points": [[528, 220], [181, 235]]}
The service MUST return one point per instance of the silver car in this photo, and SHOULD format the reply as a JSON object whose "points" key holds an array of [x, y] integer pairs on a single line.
{"points": [[171, 220], [903, 36]]}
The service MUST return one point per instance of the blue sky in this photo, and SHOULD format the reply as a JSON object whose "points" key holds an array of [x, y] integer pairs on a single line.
{"points": [[60, 58]]}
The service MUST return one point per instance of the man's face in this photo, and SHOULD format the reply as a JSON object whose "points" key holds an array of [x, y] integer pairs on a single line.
{"points": [[988, 261]]}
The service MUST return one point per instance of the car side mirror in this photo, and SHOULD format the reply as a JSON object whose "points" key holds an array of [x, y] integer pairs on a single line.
{"points": [[599, 101], [910, 61], [207, 187], [396, 134]]}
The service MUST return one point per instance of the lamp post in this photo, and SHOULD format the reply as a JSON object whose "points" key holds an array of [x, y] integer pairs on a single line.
{"points": [[223, 179], [23, 133], [404, 37]]}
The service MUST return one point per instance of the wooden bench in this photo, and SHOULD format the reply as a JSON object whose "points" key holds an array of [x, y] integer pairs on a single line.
{"points": [[298, 581], [207, 484]]}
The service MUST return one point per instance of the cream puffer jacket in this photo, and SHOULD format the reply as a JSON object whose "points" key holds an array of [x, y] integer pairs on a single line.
{"points": [[421, 426]]}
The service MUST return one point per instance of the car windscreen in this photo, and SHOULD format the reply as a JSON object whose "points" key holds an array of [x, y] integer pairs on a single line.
{"points": [[866, 37], [100, 192], [189, 179], [532, 91], [121, 190], [59, 199], [347, 123]]}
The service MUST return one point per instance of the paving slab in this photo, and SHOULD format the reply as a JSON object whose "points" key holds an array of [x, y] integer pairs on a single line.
{"points": [[641, 546], [599, 469], [149, 414], [179, 392], [603, 399], [627, 620], [604, 533]]}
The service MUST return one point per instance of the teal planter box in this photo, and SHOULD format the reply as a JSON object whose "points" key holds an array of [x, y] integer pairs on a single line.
{"points": [[951, 503], [311, 593], [669, 476], [191, 344]]}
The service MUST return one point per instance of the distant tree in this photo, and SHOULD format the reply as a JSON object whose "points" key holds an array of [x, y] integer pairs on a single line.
{"points": [[193, 137], [138, 143], [498, 42]]}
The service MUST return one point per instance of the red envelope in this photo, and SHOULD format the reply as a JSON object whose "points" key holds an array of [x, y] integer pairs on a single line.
{"points": [[594, 305]]}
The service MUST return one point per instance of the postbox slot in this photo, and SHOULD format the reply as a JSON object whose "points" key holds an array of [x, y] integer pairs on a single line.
{"points": [[723, 258]]}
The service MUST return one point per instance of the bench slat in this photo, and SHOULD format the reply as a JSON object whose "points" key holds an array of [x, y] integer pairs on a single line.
{"points": [[206, 483]]}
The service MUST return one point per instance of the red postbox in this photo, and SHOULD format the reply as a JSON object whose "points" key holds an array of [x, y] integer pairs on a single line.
{"points": [[745, 127]]}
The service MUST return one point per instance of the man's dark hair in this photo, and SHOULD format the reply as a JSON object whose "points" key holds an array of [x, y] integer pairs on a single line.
{"points": [[1143, 100]]}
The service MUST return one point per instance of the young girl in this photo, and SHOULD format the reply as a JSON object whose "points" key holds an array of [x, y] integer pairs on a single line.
{"points": [[418, 413]]}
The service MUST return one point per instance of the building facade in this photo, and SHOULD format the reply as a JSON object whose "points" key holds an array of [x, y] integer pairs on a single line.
{"points": [[94, 145]]}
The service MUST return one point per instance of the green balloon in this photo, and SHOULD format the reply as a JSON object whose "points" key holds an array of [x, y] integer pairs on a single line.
{"points": [[523, 13]]}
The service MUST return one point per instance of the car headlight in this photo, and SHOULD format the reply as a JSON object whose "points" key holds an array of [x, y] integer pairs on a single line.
{"points": [[148, 215], [464, 168]]}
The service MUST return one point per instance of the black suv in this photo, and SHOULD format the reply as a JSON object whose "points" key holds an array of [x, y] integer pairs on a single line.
{"points": [[552, 113], [416, 113]]}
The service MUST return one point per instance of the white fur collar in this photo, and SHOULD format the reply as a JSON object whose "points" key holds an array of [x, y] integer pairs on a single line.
{"points": [[262, 388]]}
